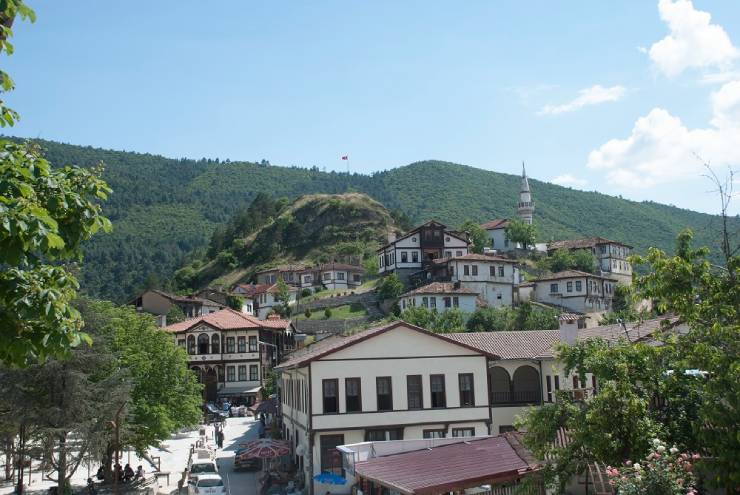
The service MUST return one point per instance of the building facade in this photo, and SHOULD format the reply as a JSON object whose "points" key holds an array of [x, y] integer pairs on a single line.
{"points": [[230, 352], [327, 275], [387, 383], [159, 303], [611, 256], [440, 296], [525, 207], [575, 291], [418, 248]]}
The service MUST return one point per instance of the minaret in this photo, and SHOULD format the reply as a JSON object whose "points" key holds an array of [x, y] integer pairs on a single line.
{"points": [[525, 209]]}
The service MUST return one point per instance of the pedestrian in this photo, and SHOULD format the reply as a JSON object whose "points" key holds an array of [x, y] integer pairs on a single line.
{"points": [[220, 440], [90, 486], [139, 472], [128, 473]]}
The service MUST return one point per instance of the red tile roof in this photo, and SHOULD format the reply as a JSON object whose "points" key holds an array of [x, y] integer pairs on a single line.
{"points": [[588, 242], [336, 343], [450, 467], [440, 288], [252, 289], [498, 223], [227, 319]]}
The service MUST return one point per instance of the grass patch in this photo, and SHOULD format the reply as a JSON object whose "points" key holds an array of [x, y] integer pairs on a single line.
{"points": [[339, 313]]}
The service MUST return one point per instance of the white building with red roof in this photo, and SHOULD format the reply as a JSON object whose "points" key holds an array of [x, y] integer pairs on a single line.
{"points": [[441, 296], [231, 351]]}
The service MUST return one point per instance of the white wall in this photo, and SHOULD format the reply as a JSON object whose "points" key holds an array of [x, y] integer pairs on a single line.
{"points": [[466, 302]]}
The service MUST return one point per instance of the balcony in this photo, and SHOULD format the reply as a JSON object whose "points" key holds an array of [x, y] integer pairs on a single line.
{"points": [[522, 397]]}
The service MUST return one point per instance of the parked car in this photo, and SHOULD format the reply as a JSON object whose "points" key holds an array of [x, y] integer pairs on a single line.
{"points": [[201, 467], [214, 414], [208, 484]]}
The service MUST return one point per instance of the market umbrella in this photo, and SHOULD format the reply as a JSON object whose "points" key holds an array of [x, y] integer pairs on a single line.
{"points": [[330, 478], [264, 448]]}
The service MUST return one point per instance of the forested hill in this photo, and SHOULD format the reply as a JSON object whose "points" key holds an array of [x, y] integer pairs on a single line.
{"points": [[162, 209]]}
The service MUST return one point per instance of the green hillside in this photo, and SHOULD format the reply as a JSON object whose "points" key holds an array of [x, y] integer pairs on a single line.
{"points": [[162, 209]]}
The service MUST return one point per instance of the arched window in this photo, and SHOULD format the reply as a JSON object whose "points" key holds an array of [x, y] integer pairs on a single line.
{"points": [[191, 344], [500, 385], [526, 385], [203, 343], [215, 344]]}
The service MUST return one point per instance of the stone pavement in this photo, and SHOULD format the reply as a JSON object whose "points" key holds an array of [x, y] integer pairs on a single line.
{"points": [[173, 454]]}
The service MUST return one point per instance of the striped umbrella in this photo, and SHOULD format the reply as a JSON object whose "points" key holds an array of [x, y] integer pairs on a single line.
{"points": [[264, 448]]}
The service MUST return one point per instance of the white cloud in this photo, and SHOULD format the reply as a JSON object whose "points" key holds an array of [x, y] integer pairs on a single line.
{"points": [[719, 77], [568, 180], [589, 96], [693, 41], [661, 149]]}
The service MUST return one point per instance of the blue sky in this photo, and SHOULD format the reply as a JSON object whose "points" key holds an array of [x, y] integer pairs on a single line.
{"points": [[608, 96]]}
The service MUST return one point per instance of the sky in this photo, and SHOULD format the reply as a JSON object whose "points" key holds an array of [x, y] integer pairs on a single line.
{"points": [[627, 98]]}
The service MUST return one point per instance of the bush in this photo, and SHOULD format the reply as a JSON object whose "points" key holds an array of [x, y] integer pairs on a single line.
{"points": [[307, 313], [305, 292], [391, 287], [327, 313]]}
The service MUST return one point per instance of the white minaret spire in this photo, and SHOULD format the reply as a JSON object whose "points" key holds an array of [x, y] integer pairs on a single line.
{"points": [[525, 208]]}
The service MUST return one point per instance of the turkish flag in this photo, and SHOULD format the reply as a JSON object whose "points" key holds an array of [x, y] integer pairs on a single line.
{"points": [[345, 157]]}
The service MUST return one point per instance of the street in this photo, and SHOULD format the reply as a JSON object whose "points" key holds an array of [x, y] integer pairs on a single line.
{"points": [[237, 430]]}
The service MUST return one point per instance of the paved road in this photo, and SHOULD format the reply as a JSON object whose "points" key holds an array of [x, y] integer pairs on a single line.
{"points": [[238, 430]]}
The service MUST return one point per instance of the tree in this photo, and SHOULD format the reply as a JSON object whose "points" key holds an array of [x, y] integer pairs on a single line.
{"points": [[478, 236], [584, 260], [371, 266], [391, 287], [165, 395], [523, 317], [46, 215], [283, 298], [448, 321], [520, 232], [175, 315]]}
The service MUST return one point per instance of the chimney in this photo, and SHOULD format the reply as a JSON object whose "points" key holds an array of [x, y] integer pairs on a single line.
{"points": [[568, 324], [391, 237]]}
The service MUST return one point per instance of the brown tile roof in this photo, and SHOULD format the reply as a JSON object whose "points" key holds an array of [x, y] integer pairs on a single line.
{"points": [[252, 289], [536, 344], [336, 343], [340, 266], [450, 467], [460, 235], [480, 257], [588, 242], [523, 344], [440, 288], [571, 274], [498, 223], [175, 297], [226, 319]]}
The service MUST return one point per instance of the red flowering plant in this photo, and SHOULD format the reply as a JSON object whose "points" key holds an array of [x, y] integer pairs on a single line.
{"points": [[665, 471]]}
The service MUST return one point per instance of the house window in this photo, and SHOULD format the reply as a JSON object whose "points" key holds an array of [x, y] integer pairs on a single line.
{"points": [[458, 253], [241, 344], [499, 296], [252, 343], [548, 380], [467, 393], [433, 301], [553, 288], [383, 435], [492, 271], [331, 458], [425, 302], [203, 343], [501, 271], [215, 344], [463, 432], [447, 302], [356, 277], [569, 286], [475, 270], [466, 270], [434, 433], [230, 344], [327, 275], [230, 373], [414, 392], [191, 344], [414, 257], [579, 286], [404, 257], [380, 261], [331, 402], [448, 254], [456, 301], [384, 393], [437, 386], [353, 396], [340, 275], [242, 373], [254, 373], [181, 342], [557, 382]]}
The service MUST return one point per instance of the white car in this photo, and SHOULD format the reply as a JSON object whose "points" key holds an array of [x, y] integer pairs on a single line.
{"points": [[208, 484], [201, 467]]}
